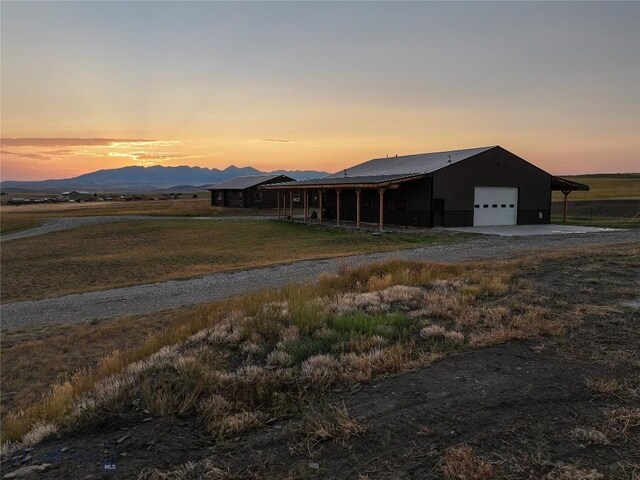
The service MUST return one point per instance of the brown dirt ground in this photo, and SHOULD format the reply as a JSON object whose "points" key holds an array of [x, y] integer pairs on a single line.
{"points": [[515, 404]]}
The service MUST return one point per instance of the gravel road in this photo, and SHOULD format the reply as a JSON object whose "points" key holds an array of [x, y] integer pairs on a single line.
{"points": [[67, 223], [178, 293]]}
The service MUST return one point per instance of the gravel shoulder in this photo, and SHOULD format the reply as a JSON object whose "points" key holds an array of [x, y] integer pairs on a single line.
{"points": [[156, 297]]}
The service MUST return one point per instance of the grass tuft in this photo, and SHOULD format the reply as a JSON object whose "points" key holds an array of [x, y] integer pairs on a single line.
{"points": [[460, 463]]}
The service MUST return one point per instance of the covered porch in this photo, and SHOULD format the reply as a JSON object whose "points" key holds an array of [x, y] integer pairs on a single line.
{"points": [[566, 187], [331, 200]]}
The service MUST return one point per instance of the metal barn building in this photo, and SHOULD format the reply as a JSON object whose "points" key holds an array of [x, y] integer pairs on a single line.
{"points": [[471, 187], [244, 192]]}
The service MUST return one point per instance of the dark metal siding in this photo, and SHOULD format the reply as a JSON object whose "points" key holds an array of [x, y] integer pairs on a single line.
{"points": [[407, 205], [257, 198], [240, 198], [217, 198], [234, 198], [494, 168]]}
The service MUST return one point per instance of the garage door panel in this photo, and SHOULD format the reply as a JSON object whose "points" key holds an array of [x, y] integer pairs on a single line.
{"points": [[495, 206]]}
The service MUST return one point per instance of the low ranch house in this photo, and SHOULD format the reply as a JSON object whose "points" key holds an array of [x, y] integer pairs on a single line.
{"points": [[244, 192], [472, 187]]}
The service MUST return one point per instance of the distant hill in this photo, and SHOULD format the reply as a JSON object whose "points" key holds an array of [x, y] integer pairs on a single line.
{"points": [[145, 179]]}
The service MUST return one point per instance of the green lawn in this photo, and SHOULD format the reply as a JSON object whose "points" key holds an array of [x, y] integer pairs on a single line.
{"points": [[112, 255]]}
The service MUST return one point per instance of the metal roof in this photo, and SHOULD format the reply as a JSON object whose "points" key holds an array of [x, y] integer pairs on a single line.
{"points": [[558, 183], [380, 171], [421, 163], [240, 183], [333, 181]]}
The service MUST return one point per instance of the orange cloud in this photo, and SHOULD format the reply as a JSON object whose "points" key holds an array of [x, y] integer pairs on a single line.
{"points": [[70, 142]]}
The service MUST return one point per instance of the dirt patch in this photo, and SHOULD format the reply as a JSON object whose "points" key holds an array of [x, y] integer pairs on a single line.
{"points": [[509, 402], [533, 409]]}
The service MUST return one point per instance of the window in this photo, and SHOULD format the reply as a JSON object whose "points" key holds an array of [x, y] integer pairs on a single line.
{"points": [[495, 205], [401, 204], [476, 206], [219, 195], [257, 196], [504, 205], [485, 206], [296, 197], [511, 205]]}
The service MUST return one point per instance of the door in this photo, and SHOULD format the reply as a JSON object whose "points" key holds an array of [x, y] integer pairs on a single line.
{"points": [[495, 206], [438, 212]]}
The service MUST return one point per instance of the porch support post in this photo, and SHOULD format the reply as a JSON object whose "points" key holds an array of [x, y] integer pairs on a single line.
{"points": [[564, 207], [291, 205], [381, 212], [278, 192], [358, 191], [338, 207], [306, 206], [320, 206]]}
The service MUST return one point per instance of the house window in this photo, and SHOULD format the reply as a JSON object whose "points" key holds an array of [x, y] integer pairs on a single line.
{"points": [[257, 196], [401, 204], [296, 197], [220, 196], [239, 194]]}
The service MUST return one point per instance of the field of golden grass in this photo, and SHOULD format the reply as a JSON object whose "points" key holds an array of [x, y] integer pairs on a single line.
{"points": [[128, 253], [623, 187], [605, 222], [14, 218], [19, 217], [65, 349], [17, 221], [237, 363]]}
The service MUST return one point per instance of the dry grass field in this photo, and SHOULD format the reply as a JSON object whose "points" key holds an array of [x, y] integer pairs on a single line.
{"points": [[180, 206], [64, 349], [19, 217], [127, 253], [288, 373], [605, 187], [14, 222], [612, 201], [604, 222], [14, 218]]}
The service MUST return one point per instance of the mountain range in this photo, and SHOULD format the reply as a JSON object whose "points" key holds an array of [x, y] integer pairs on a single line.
{"points": [[146, 179]]}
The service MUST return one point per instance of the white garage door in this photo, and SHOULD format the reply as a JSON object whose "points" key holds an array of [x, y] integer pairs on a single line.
{"points": [[495, 206]]}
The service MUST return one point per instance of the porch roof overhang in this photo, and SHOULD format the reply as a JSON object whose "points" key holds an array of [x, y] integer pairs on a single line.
{"points": [[347, 182], [564, 185]]}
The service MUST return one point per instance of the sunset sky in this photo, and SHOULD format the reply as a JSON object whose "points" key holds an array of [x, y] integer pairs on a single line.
{"points": [[91, 85]]}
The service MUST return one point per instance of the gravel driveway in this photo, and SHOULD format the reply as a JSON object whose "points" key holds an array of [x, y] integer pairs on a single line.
{"points": [[178, 293], [67, 223]]}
